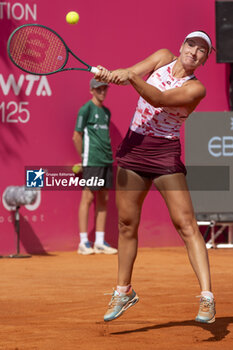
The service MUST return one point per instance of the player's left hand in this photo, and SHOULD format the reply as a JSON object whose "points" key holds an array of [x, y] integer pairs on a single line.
{"points": [[104, 75]]}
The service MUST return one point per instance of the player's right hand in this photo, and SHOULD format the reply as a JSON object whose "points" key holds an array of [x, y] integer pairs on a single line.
{"points": [[120, 77]]}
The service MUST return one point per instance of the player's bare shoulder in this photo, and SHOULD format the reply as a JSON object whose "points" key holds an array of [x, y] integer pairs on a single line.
{"points": [[163, 57]]}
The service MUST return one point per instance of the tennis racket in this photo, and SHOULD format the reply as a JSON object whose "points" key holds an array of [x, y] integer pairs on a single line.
{"points": [[39, 50]]}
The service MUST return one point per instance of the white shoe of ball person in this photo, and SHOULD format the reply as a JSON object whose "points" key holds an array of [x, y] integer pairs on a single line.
{"points": [[104, 248], [85, 248]]}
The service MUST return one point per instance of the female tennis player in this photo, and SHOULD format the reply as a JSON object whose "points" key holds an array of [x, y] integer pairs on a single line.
{"points": [[150, 153]]}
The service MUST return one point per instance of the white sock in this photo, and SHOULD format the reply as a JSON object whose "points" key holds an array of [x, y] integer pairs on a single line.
{"points": [[99, 237], [207, 294], [83, 237]]}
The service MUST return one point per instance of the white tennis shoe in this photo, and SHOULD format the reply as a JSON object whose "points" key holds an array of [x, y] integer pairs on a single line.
{"points": [[104, 248], [85, 248]]}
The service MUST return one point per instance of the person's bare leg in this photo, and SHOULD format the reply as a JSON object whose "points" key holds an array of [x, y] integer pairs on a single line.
{"points": [[101, 246], [131, 191], [85, 203], [101, 209], [177, 197]]}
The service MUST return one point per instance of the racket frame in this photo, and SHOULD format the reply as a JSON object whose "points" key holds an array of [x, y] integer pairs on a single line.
{"points": [[68, 51]]}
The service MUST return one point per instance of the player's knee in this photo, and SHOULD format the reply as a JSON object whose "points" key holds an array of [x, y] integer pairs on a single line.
{"points": [[186, 227], [127, 226]]}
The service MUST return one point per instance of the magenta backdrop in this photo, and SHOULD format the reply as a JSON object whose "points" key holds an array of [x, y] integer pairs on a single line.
{"points": [[37, 117]]}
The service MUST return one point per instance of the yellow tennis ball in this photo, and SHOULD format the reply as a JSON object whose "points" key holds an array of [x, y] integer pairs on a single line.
{"points": [[76, 168], [72, 17]]}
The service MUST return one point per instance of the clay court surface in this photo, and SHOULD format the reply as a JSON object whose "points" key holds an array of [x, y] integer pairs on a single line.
{"points": [[57, 302]]}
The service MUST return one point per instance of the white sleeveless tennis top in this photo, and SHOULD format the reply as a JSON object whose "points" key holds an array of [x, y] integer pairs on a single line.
{"points": [[160, 121]]}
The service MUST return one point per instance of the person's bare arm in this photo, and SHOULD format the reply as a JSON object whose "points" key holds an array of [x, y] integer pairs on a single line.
{"points": [[151, 63], [188, 95], [78, 141]]}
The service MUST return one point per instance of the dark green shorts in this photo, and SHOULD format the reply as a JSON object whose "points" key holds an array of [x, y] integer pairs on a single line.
{"points": [[98, 177]]}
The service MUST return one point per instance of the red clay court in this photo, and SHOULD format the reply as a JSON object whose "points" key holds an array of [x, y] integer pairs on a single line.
{"points": [[57, 302]]}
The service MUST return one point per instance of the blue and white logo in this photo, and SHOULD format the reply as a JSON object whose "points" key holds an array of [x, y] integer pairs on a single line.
{"points": [[35, 178]]}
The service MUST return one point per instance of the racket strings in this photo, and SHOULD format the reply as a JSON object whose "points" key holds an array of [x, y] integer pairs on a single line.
{"points": [[38, 50]]}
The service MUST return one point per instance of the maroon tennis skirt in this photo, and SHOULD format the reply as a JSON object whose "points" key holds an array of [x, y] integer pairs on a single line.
{"points": [[150, 156]]}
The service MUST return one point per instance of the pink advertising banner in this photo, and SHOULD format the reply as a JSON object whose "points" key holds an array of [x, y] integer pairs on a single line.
{"points": [[38, 113]]}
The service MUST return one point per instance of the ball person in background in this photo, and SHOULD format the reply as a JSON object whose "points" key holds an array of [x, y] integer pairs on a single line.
{"points": [[150, 153], [92, 142]]}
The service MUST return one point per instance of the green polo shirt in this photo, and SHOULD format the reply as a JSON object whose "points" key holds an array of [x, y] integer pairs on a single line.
{"points": [[94, 122]]}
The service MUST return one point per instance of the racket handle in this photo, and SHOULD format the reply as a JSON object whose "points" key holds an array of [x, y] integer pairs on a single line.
{"points": [[94, 70]]}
